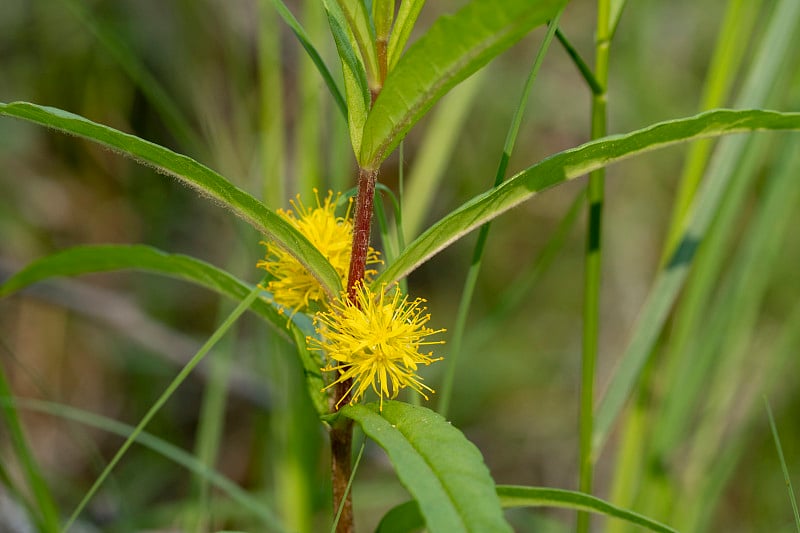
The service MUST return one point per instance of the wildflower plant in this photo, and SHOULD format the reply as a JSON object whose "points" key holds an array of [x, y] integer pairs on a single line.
{"points": [[357, 335]]}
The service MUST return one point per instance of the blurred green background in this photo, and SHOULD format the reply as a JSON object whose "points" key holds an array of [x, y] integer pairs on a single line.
{"points": [[228, 84]]}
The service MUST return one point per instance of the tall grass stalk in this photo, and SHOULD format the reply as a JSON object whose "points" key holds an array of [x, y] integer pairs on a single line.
{"points": [[593, 266]]}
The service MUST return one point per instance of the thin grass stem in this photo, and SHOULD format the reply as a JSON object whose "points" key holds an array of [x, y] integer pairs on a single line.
{"points": [[159, 403], [480, 245], [593, 268]]}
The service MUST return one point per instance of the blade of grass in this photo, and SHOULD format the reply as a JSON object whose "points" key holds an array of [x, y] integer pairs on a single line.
{"points": [[786, 477], [43, 508], [171, 388], [271, 117], [769, 61], [309, 121], [305, 42], [477, 255], [148, 440], [738, 21], [436, 149], [167, 108]]}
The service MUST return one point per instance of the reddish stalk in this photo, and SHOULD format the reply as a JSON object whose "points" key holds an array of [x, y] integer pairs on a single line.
{"points": [[341, 433]]}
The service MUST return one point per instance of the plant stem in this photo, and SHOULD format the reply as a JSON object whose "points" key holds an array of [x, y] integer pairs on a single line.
{"points": [[341, 433], [591, 308]]}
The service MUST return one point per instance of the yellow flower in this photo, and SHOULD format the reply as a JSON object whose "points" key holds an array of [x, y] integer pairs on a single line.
{"points": [[375, 342], [293, 286]]}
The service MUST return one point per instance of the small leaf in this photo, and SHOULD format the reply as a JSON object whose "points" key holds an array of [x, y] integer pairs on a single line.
{"points": [[455, 47], [355, 77], [442, 470], [190, 172], [571, 164]]}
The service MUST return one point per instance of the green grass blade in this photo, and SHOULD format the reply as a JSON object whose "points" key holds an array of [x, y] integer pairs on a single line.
{"points": [[572, 164], [768, 63], [406, 517], [272, 138], [171, 388], [435, 151], [151, 88], [477, 254], [43, 507], [401, 31], [442, 470], [305, 42], [454, 47], [786, 477], [728, 54], [193, 174], [516, 496], [257, 506]]}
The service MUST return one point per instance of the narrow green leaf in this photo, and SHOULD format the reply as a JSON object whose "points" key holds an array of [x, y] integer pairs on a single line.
{"points": [[107, 258], [442, 470], [257, 506], [355, 12], [455, 47], [786, 477], [43, 507], [305, 42], [355, 76], [159, 403], [406, 517], [401, 31], [516, 496], [190, 172], [572, 164]]}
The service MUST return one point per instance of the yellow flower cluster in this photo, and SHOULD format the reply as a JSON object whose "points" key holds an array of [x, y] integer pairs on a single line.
{"points": [[372, 342], [292, 285], [375, 342]]}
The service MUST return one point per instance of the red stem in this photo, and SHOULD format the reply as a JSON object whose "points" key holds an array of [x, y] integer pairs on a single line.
{"points": [[342, 433]]}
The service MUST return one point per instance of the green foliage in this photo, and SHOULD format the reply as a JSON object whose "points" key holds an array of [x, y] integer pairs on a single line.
{"points": [[572, 164], [448, 53], [693, 409], [192, 173], [441, 468]]}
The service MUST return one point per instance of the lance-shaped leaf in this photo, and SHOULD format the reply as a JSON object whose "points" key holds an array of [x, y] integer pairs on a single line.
{"points": [[455, 47], [192, 173], [572, 164], [108, 258], [406, 517], [442, 470]]}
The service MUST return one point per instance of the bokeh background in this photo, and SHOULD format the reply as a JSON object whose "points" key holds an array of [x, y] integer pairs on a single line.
{"points": [[228, 84]]}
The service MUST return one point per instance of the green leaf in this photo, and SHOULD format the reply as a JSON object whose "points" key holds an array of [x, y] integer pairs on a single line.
{"points": [[192, 173], [355, 77], [357, 17], [442, 470], [455, 47], [401, 31], [312, 52], [572, 164], [255, 505], [406, 517], [107, 258]]}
